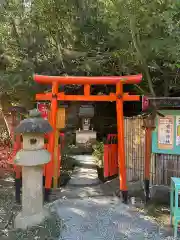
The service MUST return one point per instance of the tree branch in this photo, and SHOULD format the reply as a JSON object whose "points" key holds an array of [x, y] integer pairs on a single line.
{"points": [[136, 42]]}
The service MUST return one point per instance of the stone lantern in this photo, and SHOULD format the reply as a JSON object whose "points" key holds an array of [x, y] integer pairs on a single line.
{"points": [[32, 158]]}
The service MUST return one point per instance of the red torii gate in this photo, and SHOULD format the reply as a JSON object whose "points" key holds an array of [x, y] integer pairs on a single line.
{"points": [[119, 97]]}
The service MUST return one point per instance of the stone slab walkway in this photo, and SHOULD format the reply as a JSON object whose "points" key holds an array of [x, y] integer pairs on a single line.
{"points": [[84, 177], [85, 160]]}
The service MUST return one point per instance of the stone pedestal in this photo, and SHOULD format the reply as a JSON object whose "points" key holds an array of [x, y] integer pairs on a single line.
{"points": [[32, 198], [32, 191], [24, 222], [83, 136]]}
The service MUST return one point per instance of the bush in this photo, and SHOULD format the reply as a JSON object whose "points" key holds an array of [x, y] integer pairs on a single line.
{"points": [[98, 153]]}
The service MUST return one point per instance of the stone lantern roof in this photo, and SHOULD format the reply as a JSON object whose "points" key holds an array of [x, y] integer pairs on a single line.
{"points": [[34, 124]]}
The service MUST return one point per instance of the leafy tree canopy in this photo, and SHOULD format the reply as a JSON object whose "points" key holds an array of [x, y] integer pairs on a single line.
{"points": [[92, 37]]}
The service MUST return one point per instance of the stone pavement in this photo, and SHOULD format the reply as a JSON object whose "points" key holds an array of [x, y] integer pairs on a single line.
{"points": [[88, 214], [84, 160], [84, 177]]}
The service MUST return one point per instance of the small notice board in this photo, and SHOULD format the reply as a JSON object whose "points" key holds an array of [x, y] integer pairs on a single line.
{"points": [[61, 117], [166, 136]]}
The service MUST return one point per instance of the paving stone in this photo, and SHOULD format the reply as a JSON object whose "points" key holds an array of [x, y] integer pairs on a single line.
{"points": [[84, 160], [84, 177]]}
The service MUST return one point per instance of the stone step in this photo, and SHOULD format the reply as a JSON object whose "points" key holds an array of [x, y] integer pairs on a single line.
{"points": [[84, 160], [74, 192], [84, 177]]}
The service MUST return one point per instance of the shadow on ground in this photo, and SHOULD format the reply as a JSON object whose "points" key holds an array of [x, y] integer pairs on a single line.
{"points": [[106, 218], [49, 229]]}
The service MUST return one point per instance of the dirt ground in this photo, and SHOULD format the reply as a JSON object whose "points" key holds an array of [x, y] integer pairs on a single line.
{"points": [[158, 212], [49, 229], [8, 208]]}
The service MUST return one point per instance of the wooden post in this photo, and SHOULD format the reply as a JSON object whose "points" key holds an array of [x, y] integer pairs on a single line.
{"points": [[56, 159], [121, 150], [49, 170], [60, 123], [87, 90], [148, 145]]}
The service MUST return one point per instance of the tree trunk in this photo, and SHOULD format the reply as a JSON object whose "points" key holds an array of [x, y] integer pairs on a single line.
{"points": [[5, 113]]}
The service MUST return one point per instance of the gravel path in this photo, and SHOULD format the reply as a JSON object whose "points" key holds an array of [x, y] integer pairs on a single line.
{"points": [[49, 229], [90, 215], [86, 213], [105, 218]]}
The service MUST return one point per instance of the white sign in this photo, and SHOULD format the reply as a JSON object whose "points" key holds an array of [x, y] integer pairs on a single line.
{"points": [[165, 131]]}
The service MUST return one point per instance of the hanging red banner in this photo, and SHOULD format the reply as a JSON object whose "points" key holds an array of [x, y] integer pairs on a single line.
{"points": [[43, 108], [145, 103]]}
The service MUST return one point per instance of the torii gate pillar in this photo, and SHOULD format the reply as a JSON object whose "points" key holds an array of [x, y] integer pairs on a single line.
{"points": [[119, 97]]}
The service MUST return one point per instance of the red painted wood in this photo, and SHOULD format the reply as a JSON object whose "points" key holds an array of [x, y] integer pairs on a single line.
{"points": [[131, 79], [106, 160], [111, 156], [119, 97], [114, 163]]}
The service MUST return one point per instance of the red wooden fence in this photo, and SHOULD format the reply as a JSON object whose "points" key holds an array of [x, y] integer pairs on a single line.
{"points": [[110, 156]]}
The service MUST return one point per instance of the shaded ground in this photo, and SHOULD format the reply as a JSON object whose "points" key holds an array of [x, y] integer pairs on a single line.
{"points": [[49, 229], [8, 208], [157, 212], [94, 212], [84, 209], [106, 218]]}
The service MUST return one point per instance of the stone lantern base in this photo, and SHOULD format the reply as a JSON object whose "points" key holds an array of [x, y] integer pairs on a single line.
{"points": [[24, 222], [33, 211]]}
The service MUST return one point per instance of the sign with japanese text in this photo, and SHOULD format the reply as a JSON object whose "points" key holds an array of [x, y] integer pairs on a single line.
{"points": [[165, 132], [166, 136]]}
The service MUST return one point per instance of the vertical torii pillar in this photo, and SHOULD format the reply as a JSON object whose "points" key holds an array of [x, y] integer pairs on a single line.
{"points": [[121, 148]]}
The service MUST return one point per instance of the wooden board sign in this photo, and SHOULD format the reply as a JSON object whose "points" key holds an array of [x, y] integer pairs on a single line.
{"points": [[166, 132], [166, 136], [60, 120], [161, 102], [168, 103]]}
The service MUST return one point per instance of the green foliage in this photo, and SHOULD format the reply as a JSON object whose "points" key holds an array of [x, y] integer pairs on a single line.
{"points": [[93, 37], [98, 153]]}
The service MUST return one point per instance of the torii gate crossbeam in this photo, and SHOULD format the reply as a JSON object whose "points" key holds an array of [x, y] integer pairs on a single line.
{"points": [[119, 97]]}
